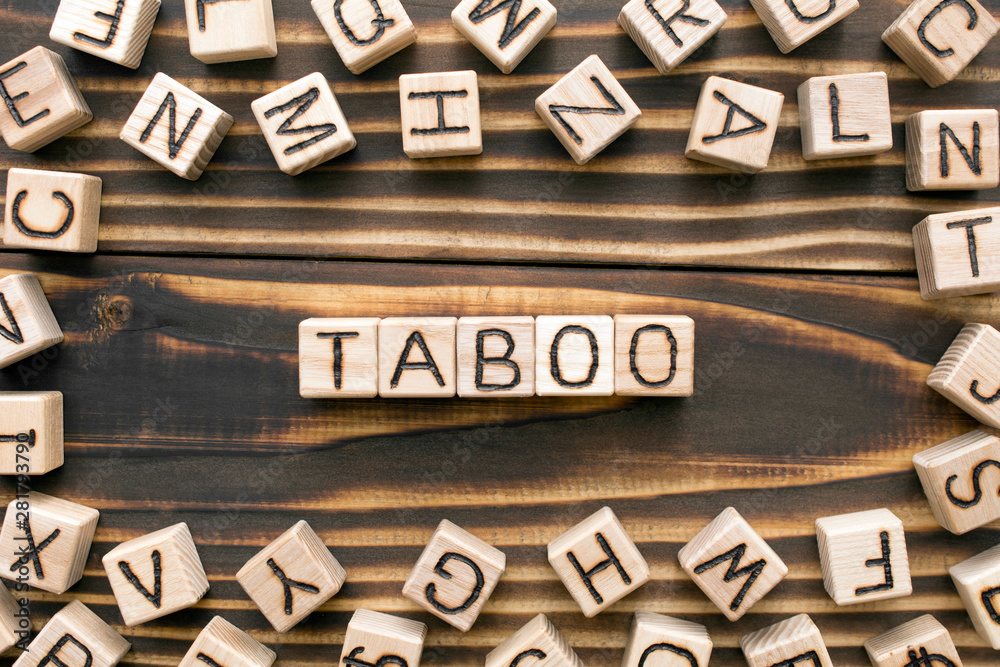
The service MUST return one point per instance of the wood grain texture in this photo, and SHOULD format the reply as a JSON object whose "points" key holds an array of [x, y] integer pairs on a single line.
{"points": [[805, 405], [523, 199]]}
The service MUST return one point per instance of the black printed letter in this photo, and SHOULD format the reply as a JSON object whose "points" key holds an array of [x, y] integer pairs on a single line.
{"points": [[751, 571], [970, 234], [835, 119], [810, 19], [977, 490], [301, 104], [670, 648], [671, 341], [426, 365], [53, 655], [615, 109], [441, 128], [587, 575], [174, 143], [11, 101], [156, 595], [679, 15], [882, 562], [922, 30], [380, 22], [554, 357], [439, 570], [113, 19], [338, 353], [971, 160], [15, 214], [512, 28], [734, 108], [505, 360]]}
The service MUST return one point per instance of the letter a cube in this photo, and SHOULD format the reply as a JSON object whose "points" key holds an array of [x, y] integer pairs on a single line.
{"points": [[75, 636], [455, 575], [291, 577], [598, 562]]}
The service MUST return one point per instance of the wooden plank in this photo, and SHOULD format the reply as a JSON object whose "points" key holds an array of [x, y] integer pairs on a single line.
{"points": [[181, 404], [523, 200]]}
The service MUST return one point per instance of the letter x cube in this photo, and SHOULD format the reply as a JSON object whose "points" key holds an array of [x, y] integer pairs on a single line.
{"points": [[598, 562], [292, 577], [455, 575]]}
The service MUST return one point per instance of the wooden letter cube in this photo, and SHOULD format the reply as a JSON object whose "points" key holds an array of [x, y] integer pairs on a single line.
{"points": [[587, 109], [50, 545], [734, 125], [41, 101], [440, 114], [225, 644], [792, 23], [416, 357], [953, 474], [680, 643], [156, 574], [338, 357], [732, 564], [668, 31], [863, 556], [922, 641], [291, 577], [455, 575], [27, 324], [504, 32], [496, 356], [956, 149], [654, 355], [574, 355], [113, 30], [75, 636], [938, 38], [31, 432], [224, 31], [372, 636], [598, 562], [15, 620], [52, 210], [176, 127], [303, 124], [978, 582], [365, 32], [958, 253], [538, 643], [845, 116], [969, 373], [791, 642]]}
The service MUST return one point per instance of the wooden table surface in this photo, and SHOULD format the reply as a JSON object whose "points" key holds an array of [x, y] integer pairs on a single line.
{"points": [[179, 368]]}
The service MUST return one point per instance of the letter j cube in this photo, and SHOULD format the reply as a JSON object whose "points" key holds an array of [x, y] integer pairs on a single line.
{"points": [[292, 577], [969, 373], [863, 556], [455, 575], [598, 562]]}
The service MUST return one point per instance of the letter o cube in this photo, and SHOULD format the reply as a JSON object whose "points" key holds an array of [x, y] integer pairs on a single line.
{"points": [[455, 575]]}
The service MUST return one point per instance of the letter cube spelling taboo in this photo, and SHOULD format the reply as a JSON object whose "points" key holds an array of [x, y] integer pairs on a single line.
{"points": [[416, 357], [303, 124], [668, 31], [732, 564], [365, 32], [496, 356], [52, 210], [455, 575], [224, 644], [678, 642], [31, 432], [374, 638], [845, 116], [291, 577], [41, 100], [75, 635], [225, 31], [794, 641], [156, 574], [116, 31], [958, 253], [537, 642], [176, 127], [792, 23], [440, 114], [598, 562], [654, 355], [938, 38], [969, 373], [27, 325], [734, 125], [953, 474], [863, 555], [338, 357], [978, 582], [922, 641], [955, 149], [48, 548], [505, 32], [587, 109], [574, 355]]}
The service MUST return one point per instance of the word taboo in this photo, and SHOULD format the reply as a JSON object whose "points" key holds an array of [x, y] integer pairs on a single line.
{"points": [[551, 355]]}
